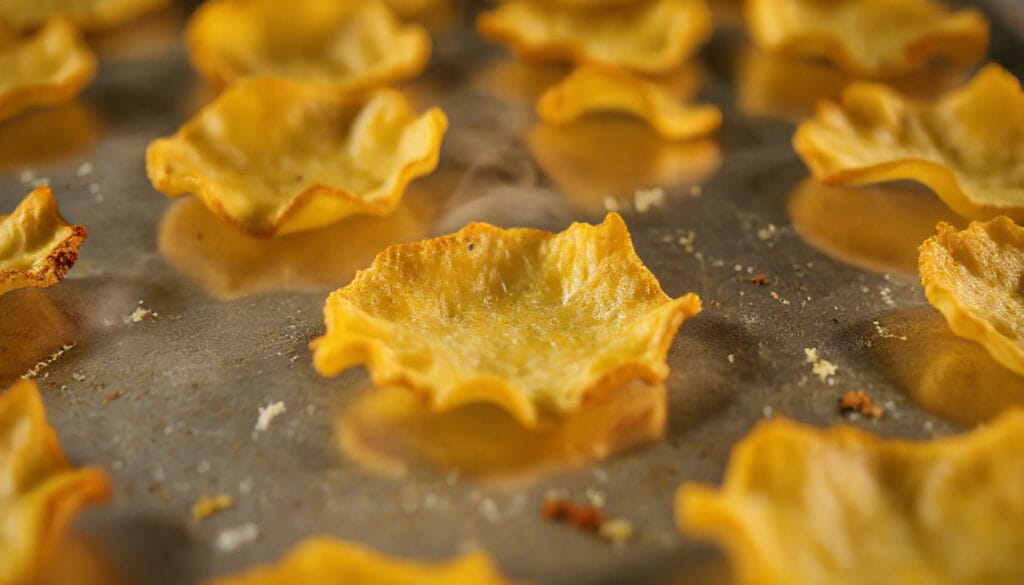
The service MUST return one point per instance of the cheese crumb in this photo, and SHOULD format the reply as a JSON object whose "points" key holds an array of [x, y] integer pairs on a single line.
{"points": [[611, 204], [617, 530], [232, 539], [267, 415], [140, 314], [207, 506], [820, 366], [84, 170], [646, 199]]}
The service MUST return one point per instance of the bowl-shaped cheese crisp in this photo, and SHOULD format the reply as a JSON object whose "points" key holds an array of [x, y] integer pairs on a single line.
{"points": [[37, 247], [40, 493], [650, 37], [968, 146], [350, 45], [975, 278], [532, 321], [869, 38], [803, 506], [323, 560], [45, 67], [273, 156], [606, 90]]}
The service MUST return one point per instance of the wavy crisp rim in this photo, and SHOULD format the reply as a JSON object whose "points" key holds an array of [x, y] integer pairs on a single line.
{"points": [[59, 260], [689, 35], [331, 356], [714, 513], [313, 560], [57, 499], [565, 103], [964, 321], [183, 183], [960, 46], [201, 55], [46, 92], [936, 176]]}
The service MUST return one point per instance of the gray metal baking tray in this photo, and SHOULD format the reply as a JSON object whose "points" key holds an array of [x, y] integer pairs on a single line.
{"points": [[235, 317]]}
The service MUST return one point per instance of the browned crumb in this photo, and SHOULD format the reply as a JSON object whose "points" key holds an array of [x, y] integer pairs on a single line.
{"points": [[859, 402], [760, 280], [113, 396], [586, 518], [207, 506]]}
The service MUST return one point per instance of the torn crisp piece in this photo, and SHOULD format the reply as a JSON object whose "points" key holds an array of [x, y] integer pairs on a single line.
{"points": [[869, 38], [350, 45], [802, 506], [40, 492], [37, 247], [531, 321], [975, 277], [595, 89], [49, 66], [651, 37], [328, 561], [86, 14], [968, 146], [274, 156]]}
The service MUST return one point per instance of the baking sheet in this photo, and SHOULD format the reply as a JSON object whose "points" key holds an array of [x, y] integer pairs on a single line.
{"points": [[234, 317]]}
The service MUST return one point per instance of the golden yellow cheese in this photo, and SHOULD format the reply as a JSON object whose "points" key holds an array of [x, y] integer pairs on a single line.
{"points": [[48, 66], [651, 37], [968, 146], [40, 493], [352, 46], [273, 156], [594, 89], [324, 560], [975, 278], [869, 38], [85, 14], [803, 506], [37, 247], [535, 322]]}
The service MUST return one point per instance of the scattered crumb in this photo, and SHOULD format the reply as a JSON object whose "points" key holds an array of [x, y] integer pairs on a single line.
{"points": [[207, 506], [232, 539], [84, 170], [731, 358], [765, 234], [886, 294], [857, 401], [267, 415], [140, 314], [776, 296], [595, 497], [40, 366], [696, 190], [586, 518], [113, 396], [686, 241], [768, 412], [77, 376], [929, 427], [820, 366], [760, 280], [646, 199], [885, 333], [617, 530], [612, 204]]}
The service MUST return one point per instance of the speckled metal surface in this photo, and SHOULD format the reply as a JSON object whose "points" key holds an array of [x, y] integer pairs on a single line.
{"points": [[234, 317]]}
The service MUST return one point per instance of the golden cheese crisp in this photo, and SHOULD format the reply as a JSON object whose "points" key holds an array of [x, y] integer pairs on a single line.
{"points": [[968, 146], [975, 277], [390, 431], [85, 14], [802, 506], [37, 247], [324, 560], [273, 156], [595, 89], [532, 321], [48, 66], [869, 38], [650, 37], [40, 493], [350, 45]]}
